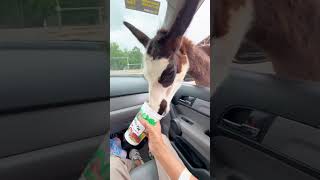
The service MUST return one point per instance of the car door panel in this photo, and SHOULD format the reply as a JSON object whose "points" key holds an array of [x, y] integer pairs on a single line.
{"points": [[300, 141], [118, 103], [53, 108], [123, 109], [34, 130], [121, 119], [194, 126], [127, 85], [201, 106], [189, 129], [36, 77], [285, 142], [197, 169], [244, 162], [126, 101], [62, 161]]}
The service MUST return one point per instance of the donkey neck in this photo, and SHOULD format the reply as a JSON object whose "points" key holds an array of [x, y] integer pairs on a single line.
{"points": [[199, 62], [288, 32]]}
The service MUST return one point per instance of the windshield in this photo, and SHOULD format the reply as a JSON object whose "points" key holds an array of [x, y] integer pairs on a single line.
{"points": [[127, 52], [59, 20]]}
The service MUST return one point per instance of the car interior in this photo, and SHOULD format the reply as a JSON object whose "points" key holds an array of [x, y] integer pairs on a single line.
{"points": [[54, 106], [263, 126], [53, 91], [258, 134], [51, 123], [187, 125]]}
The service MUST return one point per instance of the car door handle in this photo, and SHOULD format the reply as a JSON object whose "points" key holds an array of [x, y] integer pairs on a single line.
{"points": [[185, 101], [188, 100], [231, 124], [243, 128]]}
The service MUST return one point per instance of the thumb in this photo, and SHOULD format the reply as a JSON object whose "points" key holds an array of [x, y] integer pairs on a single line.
{"points": [[145, 124]]}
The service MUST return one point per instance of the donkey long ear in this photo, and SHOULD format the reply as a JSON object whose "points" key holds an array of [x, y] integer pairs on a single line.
{"points": [[183, 19], [144, 39]]}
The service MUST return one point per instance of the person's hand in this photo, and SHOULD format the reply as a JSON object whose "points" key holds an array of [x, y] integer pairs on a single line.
{"points": [[154, 136], [161, 152]]}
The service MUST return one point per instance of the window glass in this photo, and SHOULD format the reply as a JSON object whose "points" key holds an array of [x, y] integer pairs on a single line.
{"points": [[199, 28], [126, 52], [32, 20]]}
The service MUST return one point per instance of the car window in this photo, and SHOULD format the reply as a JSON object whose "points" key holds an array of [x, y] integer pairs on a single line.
{"points": [[126, 52], [199, 28], [58, 20]]}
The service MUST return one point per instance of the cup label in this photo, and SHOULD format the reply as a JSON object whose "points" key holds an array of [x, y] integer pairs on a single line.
{"points": [[136, 129]]}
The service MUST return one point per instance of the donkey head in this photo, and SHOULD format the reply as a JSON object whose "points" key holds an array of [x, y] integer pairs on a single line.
{"points": [[165, 62]]}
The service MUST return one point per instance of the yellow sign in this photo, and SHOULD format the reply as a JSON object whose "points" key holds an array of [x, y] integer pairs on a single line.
{"points": [[148, 6]]}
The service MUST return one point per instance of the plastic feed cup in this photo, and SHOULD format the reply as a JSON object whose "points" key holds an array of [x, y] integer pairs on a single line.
{"points": [[135, 133]]}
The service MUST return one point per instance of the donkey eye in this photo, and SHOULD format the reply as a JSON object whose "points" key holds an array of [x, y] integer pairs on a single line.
{"points": [[167, 76], [161, 40]]}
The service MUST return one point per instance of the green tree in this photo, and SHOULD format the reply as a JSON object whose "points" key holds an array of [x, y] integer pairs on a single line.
{"points": [[117, 56]]}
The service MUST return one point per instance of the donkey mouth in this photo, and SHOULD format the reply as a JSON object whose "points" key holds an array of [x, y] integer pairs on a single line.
{"points": [[160, 109]]}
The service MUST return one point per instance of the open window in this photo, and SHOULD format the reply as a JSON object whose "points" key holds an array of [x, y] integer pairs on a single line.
{"points": [[126, 52]]}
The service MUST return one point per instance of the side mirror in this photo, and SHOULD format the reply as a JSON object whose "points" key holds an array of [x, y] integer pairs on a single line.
{"points": [[249, 54]]}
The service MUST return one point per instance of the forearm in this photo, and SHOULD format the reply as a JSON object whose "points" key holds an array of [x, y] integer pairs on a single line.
{"points": [[169, 162], [171, 165]]}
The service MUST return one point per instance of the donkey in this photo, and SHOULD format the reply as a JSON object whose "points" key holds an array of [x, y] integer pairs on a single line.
{"points": [[287, 30], [169, 57]]}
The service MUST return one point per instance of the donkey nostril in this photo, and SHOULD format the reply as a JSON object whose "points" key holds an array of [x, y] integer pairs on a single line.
{"points": [[163, 107]]}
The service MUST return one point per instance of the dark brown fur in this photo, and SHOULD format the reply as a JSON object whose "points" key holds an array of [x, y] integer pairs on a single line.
{"points": [[168, 75], [205, 45], [222, 9], [162, 47], [288, 30], [199, 62], [144, 39], [206, 49], [163, 107], [171, 44]]}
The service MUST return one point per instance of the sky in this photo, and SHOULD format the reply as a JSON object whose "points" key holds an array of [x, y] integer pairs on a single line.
{"points": [[149, 23]]}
